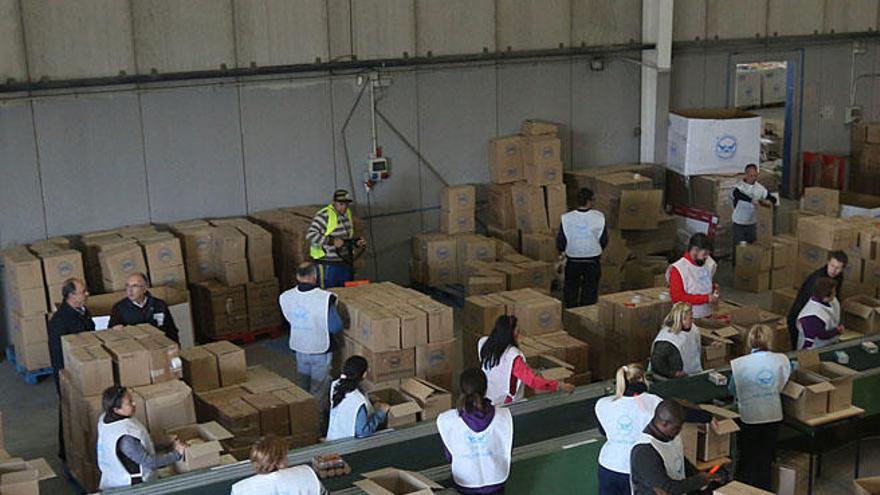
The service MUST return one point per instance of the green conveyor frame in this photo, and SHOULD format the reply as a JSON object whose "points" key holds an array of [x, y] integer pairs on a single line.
{"points": [[556, 433]]}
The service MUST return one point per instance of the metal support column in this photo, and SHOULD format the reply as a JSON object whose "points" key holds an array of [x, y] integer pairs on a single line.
{"points": [[656, 64]]}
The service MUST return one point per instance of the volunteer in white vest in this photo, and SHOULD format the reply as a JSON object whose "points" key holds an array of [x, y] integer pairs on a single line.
{"points": [[312, 315], [126, 455], [352, 415], [756, 382], [676, 349], [657, 460], [622, 418], [582, 237], [818, 324], [505, 366], [747, 196], [691, 277], [477, 438], [269, 460]]}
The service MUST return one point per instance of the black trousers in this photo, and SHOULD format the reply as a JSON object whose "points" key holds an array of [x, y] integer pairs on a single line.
{"points": [[581, 283], [757, 452], [61, 452]]}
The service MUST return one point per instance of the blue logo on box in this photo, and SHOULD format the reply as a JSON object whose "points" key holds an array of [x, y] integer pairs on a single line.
{"points": [[725, 147]]}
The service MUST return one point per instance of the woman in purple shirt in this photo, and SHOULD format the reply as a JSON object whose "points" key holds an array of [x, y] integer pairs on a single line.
{"points": [[818, 324]]}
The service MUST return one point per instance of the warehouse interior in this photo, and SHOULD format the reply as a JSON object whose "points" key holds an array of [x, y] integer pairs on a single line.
{"points": [[232, 122]]}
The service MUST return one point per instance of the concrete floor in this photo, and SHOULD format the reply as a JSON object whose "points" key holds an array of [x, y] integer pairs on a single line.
{"points": [[30, 411]]}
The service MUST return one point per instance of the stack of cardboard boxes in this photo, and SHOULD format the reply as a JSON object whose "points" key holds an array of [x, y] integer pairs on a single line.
{"points": [[24, 301], [139, 357], [818, 390], [198, 248], [866, 158], [165, 265]]}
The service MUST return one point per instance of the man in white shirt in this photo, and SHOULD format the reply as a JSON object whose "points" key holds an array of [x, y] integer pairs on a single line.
{"points": [[582, 237], [748, 195]]}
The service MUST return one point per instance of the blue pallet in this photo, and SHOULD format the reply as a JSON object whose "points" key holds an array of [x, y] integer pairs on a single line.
{"points": [[31, 377]]}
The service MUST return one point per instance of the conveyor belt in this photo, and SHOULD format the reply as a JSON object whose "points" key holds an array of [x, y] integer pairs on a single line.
{"points": [[418, 447]]}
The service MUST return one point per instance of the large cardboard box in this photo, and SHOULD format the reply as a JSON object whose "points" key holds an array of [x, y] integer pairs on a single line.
{"points": [[164, 406], [120, 262], [231, 364], [28, 329], [413, 325], [162, 251], [455, 198], [384, 365], [59, 266], [738, 488], [505, 159], [274, 413], [474, 286], [220, 310], [392, 481], [839, 376], [131, 362], [305, 425], [538, 316], [239, 417], [457, 222], [22, 270], [554, 196], [867, 486], [640, 210], [821, 201], [481, 313], [543, 174], [541, 247], [500, 211], [806, 395], [432, 399], [828, 233], [862, 314], [529, 209], [707, 442], [202, 445], [232, 273], [258, 241], [440, 319], [403, 408], [165, 363], [172, 276], [436, 358], [377, 329], [200, 369], [91, 369], [712, 141], [540, 150], [753, 258], [434, 248], [229, 245]]}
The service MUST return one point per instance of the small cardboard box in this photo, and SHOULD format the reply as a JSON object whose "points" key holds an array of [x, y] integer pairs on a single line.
{"points": [[229, 244], [539, 315], [528, 209], [232, 273], [554, 196], [867, 486], [434, 248], [821, 201], [305, 425], [162, 251], [640, 210], [499, 213], [481, 313], [764, 226], [506, 159], [91, 369], [231, 363], [457, 222], [806, 395], [29, 329], [476, 286], [413, 325], [20, 477], [165, 363], [392, 481], [543, 174], [164, 406], [118, 263], [541, 149], [751, 282], [199, 369], [274, 413], [28, 302], [131, 362], [432, 399], [862, 314], [377, 328], [436, 358], [258, 241], [784, 249], [440, 319], [737, 488], [59, 266], [753, 258], [22, 270], [541, 247], [403, 409], [384, 365], [203, 445], [456, 198], [839, 376], [551, 368], [828, 233], [712, 442]]}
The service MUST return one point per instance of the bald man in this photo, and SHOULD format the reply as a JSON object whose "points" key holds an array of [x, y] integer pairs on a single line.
{"points": [[657, 460], [139, 306]]}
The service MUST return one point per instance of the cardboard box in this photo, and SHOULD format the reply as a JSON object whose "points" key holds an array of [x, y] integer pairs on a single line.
{"points": [[784, 250], [707, 442], [572, 350], [554, 197], [28, 329], [712, 141], [481, 313], [436, 358], [413, 325], [806, 395], [305, 425], [231, 364], [20, 477], [203, 445], [261, 268], [862, 314], [528, 209], [474, 286], [782, 278], [764, 225], [200, 369], [841, 377], [791, 473], [403, 408], [165, 363], [738, 488], [274, 413], [538, 316], [640, 210], [550, 368], [782, 300], [91, 369], [457, 222], [753, 258], [172, 276], [377, 329], [384, 365], [262, 292], [533, 127], [59, 266], [543, 174], [221, 310], [867, 486], [828, 233], [162, 251], [432, 399], [540, 150], [505, 159], [199, 270], [506, 239], [821, 201], [258, 241], [81, 339], [440, 319], [232, 273], [434, 248], [229, 245], [22, 270], [392, 481], [120, 262], [540, 274], [455, 198], [131, 362], [164, 406], [28, 302], [239, 417], [500, 211], [541, 247]]}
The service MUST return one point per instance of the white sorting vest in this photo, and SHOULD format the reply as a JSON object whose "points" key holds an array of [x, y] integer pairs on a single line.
{"points": [[478, 458], [688, 345], [829, 314], [296, 480], [498, 378], [623, 420], [759, 378], [307, 314], [696, 280], [744, 212], [583, 229], [672, 454], [343, 418], [113, 472]]}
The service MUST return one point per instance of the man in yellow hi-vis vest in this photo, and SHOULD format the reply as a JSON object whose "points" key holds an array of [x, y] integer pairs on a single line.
{"points": [[331, 227]]}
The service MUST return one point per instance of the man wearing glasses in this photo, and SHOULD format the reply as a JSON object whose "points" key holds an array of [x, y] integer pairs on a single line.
{"points": [[139, 306]]}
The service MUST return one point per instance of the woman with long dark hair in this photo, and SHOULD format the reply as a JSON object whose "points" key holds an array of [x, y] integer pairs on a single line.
{"points": [[477, 438], [505, 365], [351, 413]]}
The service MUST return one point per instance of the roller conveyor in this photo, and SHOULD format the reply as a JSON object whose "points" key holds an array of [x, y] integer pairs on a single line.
{"points": [[542, 424]]}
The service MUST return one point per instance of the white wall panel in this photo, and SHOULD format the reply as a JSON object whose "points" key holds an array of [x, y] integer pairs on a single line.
{"points": [[280, 32], [834, 135], [174, 36], [850, 16], [288, 144], [383, 28], [795, 17], [193, 151], [536, 91], [734, 20], [339, 28], [533, 24], [716, 80], [689, 20], [21, 199], [68, 39], [93, 171], [455, 26], [605, 22], [605, 114], [12, 59]]}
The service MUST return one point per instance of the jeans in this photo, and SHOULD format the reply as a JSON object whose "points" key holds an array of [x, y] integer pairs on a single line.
{"points": [[333, 275], [743, 233], [613, 483], [581, 283], [313, 376]]}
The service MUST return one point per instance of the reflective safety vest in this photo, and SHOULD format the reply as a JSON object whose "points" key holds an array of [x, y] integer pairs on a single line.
{"points": [[316, 250]]}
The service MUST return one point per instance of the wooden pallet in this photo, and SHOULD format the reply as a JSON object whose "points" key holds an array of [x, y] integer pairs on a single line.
{"points": [[250, 336], [31, 377]]}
